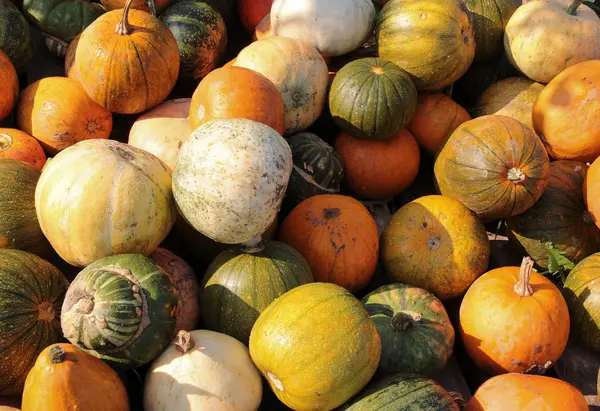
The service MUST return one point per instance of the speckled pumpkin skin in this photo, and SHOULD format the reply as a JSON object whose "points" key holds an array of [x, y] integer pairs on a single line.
{"points": [[489, 20], [21, 146], [15, 37], [9, 86]]}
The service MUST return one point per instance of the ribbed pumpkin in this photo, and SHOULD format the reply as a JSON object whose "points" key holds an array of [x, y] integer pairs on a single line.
{"points": [[31, 294], [514, 320], [121, 309], [21, 146], [67, 378], [591, 191], [15, 38], [9, 86], [338, 237], [251, 12], [416, 333], [242, 281], [316, 346], [102, 197], [559, 216], [372, 98], [159, 5], [489, 20], [201, 36], [70, 71], [413, 34], [495, 165], [237, 92], [435, 243]]}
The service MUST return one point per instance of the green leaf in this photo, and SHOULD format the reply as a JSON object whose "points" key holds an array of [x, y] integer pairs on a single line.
{"points": [[558, 264]]}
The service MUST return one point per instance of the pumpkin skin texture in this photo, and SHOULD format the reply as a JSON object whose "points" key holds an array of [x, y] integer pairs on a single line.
{"points": [[123, 205], [414, 34], [437, 244], [9, 86], [559, 216], [566, 117], [489, 20], [162, 130], [251, 12], [514, 320], [591, 191], [21, 146], [15, 38], [526, 393], [67, 378], [495, 165], [31, 294], [219, 95], [338, 237], [372, 98], [58, 113], [160, 5], [241, 283], [331, 363], [298, 71], [70, 71]]}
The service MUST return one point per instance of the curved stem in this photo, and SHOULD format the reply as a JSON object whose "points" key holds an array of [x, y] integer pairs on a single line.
{"points": [[57, 354], [123, 28], [184, 342], [402, 320], [522, 287], [516, 175], [572, 9]]}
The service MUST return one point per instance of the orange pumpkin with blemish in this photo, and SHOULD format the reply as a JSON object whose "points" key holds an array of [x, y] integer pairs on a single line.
{"points": [[9, 86], [18, 145]]}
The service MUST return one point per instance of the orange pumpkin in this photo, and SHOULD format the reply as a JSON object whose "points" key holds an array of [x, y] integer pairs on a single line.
{"points": [[436, 118], [7, 408], [263, 29], [237, 92], [514, 320], [160, 5], [251, 12], [70, 59], [591, 191], [21, 146], [58, 113], [9, 86], [378, 169], [338, 237]]}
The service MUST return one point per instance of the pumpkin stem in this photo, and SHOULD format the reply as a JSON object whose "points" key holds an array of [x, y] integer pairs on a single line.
{"points": [[123, 28], [57, 354], [522, 287], [276, 381], [572, 9], [256, 245], [457, 398], [403, 320], [184, 342], [377, 70], [5, 141], [588, 218], [516, 175], [46, 311]]}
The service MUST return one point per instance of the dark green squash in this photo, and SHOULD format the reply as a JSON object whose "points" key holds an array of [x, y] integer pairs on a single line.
{"points": [[121, 309], [31, 294], [15, 38], [416, 333], [242, 281], [226, 8], [372, 98], [489, 20]]}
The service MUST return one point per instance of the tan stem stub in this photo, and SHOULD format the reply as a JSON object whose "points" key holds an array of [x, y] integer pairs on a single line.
{"points": [[57, 354], [377, 70], [5, 141], [46, 312], [434, 242], [402, 320], [538, 369], [123, 28], [255, 245], [275, 381], [516, 175], [184, 342], [523, 288]]}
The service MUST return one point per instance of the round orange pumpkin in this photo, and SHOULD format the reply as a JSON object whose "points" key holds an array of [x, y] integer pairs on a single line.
{"points": [[591, 191], [338, 237], [378, 169], [251, 12], [237, 92], [160, 5], [9, 86], [58, 113], [21, 146], [514, 320]]}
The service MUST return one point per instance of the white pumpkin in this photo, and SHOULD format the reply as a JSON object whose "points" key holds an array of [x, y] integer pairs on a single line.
{"points": [[201, 371], [333, 27], [230, 178]]}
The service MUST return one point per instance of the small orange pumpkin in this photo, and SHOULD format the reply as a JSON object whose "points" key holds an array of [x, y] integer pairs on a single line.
{"points": [[9, 86], [591, 191], [21, 146]]}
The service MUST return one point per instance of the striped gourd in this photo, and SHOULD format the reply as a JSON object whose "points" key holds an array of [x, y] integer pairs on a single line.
{"points": [[489, 20]]}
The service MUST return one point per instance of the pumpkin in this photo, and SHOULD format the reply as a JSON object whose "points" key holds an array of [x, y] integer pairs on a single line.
{"points": [[15, 38], [251, 12], [162, 130], [338, 237], [416, 333], [495, 165], [67, 378], [127, 61], [121, 309], [7, 408], [565, 116], [70, 59], [413, 34], [514, 320], [379, 169], [159, 5], [233, 194], [9, 86], [512, 97], [526, 393], [298, 71], [237, 92], [436, 118], [489, 20], [242, 281], [124, 203], [559, 217], [204, 370], [372, 98], [334, 27], [591, 191], [31, 295], [437, 244], [201, 35], [316, 346], [318, 169], [543, 38], [403, 392], [18, 145]]}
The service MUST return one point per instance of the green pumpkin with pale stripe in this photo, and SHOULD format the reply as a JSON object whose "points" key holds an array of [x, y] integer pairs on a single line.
{"points": [[489, 20], [121, 309]]}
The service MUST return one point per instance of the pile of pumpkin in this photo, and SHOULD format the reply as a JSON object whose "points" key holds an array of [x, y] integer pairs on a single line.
{"points": [[319, 123]]}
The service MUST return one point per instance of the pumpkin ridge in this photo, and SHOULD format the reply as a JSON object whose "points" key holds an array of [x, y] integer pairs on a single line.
{"points": [[453, 161], [474, 136], [309, 179], [141, 63], [157, 52]]}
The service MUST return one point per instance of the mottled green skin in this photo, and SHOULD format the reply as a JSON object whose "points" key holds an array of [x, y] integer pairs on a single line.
{"points": [[238, 286], [406, 392], [124, 329], [370, 105], [26, 282], [63, 19], [15, 38], [201, 36], [489, 20]]}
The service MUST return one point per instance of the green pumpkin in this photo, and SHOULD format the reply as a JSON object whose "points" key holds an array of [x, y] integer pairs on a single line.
{"points": [[372, 98], [121, 309], [15, 38], [489, 20], [201, 36], [416, 333], [31, 294], [241, 282]]}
